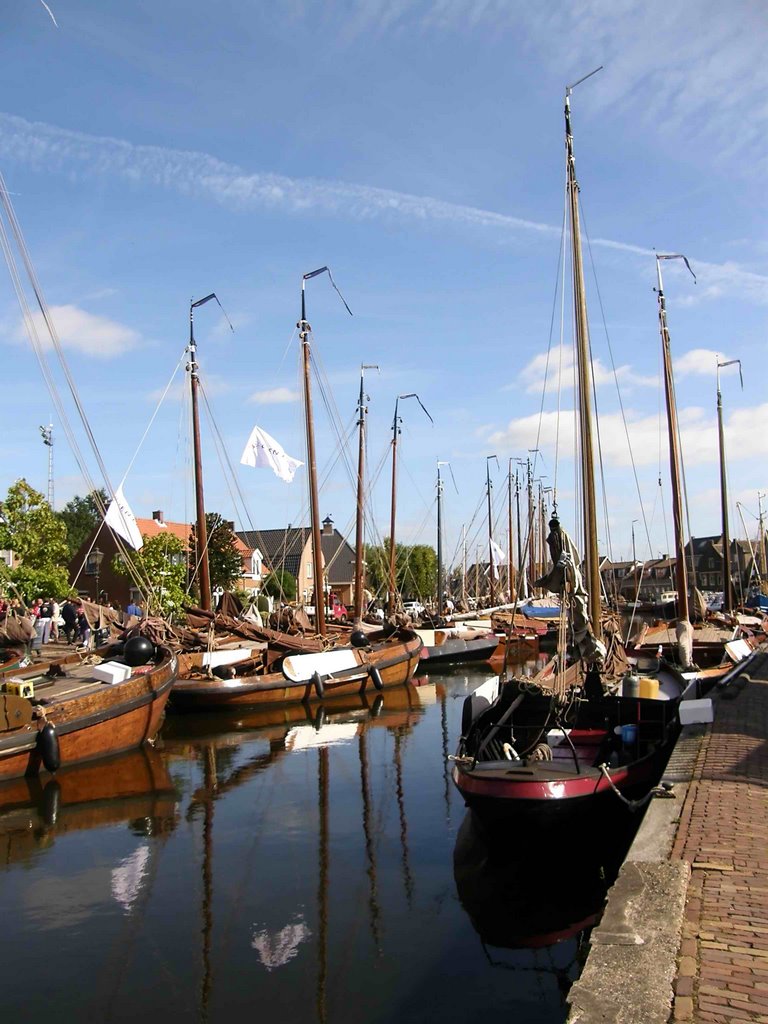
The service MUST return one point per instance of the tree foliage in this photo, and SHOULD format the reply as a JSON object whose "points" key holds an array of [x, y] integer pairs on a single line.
{"points": [[415, 569], [224, 561], [163, 562], [31, 529], [80, 515], [280, 584]]}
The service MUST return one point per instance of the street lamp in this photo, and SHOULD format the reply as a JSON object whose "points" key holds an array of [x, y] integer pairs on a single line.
{"points": [[97, 560]]}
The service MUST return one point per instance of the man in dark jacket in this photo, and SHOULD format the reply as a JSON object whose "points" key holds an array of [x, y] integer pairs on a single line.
{"points": [[69, 615]]}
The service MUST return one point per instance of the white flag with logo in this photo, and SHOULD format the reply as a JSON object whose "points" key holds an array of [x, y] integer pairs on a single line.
{"points": [[263, 450], [499, 556], [122, 521]]}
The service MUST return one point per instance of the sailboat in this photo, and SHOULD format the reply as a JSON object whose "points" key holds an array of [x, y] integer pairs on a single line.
{"points": [[583, 734], [261, 666]]}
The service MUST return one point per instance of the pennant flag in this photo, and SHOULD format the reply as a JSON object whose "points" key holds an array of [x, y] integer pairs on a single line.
{"points": [[499, 556], [263, 450], [122, 521]]}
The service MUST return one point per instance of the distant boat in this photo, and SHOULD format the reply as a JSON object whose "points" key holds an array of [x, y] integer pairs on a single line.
{"points": [[540, 608]]}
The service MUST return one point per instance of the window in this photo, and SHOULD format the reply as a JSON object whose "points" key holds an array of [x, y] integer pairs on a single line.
{"points": [[309, 571]]}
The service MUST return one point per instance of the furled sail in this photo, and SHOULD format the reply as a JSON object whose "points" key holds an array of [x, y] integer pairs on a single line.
{"points": [[565, 579]]}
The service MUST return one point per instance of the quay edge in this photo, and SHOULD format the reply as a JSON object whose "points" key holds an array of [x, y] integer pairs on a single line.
{"points": [[629, 973]]}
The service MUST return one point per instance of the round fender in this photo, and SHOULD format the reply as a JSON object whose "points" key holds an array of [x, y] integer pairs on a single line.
{"points": [[375, 677], [317, 681], [473, 707], [48, 748]]}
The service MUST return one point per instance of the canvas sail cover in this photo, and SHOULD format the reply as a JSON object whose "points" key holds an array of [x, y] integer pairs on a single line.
{"points": [[566, 574]]}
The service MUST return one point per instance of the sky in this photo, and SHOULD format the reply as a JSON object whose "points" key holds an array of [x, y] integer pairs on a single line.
{"points": [[155, 153]]}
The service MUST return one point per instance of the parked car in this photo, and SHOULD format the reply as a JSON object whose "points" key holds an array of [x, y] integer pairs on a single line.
{"points": [[413, 608]]}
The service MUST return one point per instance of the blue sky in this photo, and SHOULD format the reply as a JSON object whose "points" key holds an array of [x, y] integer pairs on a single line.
{"points": [[157, 152]]}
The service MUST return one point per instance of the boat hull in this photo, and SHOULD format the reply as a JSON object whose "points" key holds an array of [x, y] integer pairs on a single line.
{"points": [[455, 651], [396, 663], [110, 721]]}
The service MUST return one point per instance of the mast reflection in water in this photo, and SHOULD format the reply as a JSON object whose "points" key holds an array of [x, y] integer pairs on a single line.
{"points": [[297, 860]]}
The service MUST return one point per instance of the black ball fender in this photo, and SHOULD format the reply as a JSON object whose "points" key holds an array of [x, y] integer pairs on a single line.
{"points": [[48, 748], [317, 681]]}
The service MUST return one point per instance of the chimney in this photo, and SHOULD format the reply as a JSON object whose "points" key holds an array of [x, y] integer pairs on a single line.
{"points": [[157, 515], [327, 526]]}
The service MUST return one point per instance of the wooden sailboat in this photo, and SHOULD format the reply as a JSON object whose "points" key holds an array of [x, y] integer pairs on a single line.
{"points": [[582, 737], [277, 668], [77, 711]]}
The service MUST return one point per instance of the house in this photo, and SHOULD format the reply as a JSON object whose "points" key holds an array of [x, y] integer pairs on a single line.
{"points": [[290, 550], [708, 561], [91, 569], [620, 578]]}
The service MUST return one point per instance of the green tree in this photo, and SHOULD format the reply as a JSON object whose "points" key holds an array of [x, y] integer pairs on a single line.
{"points": [[162, 561], [81, 515], [224, 561], [415, 569], [281, 585], [30, 527]]}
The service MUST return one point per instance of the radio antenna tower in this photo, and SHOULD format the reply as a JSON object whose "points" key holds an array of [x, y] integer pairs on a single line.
{"points": [[47, 435]]}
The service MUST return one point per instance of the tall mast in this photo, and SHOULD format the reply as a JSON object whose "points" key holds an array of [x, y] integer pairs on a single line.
{"points": [[763, 568], [314, 503], [477, 574], [440, 581], [520, 566], [491, 570], [531, 563], [727, 582], [681, 570], [510, 586], [589, 506], [392, 594], [201, 532], [464, 565], [360, 529]]}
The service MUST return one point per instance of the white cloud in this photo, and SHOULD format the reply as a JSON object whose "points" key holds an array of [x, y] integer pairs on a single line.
{"points": [[746, 436], [558, 368], [702, 361], [199, 175], [274, 396], [83, 332]]}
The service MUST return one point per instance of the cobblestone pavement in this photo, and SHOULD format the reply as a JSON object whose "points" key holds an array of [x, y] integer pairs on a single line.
{"points": [[723, 833]]}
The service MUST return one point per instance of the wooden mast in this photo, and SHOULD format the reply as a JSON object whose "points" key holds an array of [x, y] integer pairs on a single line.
{"points": [[201, 532], [681, 570], [589, 507], [464, 565], [510, 584], [491, 570], [531, 555], [392, 594], [727, 582], [314, 503], [440, 571], [520, 566], [360, 526]]}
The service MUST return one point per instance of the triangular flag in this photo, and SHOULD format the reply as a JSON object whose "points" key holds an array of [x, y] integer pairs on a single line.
{"points": [[121, 520], [263, 450]]}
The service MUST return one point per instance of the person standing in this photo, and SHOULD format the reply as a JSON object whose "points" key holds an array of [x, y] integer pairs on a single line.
{"points": [[55, 617], [133, 610], [83, 626], [69, 617], [46, 614]]}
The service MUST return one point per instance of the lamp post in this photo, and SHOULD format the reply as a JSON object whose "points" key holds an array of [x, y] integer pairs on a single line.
{"points": [[97, 559]]}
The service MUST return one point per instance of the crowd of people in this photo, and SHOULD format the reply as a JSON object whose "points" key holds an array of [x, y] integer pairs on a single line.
{"points": [[58, 620]]}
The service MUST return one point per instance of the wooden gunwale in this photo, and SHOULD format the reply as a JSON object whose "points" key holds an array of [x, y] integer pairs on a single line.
{"points": [[396, 667]]}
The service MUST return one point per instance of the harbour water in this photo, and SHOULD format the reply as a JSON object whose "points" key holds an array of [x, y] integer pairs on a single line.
{"points": [[315, 866]]}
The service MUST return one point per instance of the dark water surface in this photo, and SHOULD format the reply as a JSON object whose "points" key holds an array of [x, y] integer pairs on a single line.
{"points": [[288, 868]]}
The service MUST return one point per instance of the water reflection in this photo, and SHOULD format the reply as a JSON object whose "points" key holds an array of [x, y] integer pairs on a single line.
{"points": [[297, 857]]}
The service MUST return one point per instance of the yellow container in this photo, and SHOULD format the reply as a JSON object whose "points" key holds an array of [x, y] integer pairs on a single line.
{"points": [[649, 687], [19, 687]]}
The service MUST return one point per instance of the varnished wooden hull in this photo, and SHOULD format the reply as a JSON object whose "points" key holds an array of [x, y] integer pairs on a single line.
{"points": [[117, 718], [396, 662]]}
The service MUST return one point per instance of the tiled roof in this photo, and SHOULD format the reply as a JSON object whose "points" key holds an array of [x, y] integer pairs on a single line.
{"points": [[153, 528], [282, 550]]}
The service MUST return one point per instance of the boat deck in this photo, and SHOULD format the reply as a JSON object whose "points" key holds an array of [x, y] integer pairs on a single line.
{"points": [[78, 680]]}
